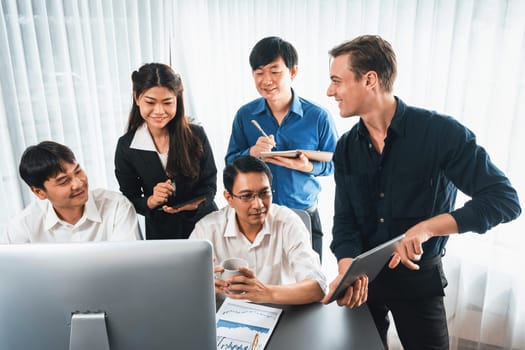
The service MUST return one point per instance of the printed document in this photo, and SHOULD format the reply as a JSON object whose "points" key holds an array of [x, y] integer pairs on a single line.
{"points": [[239, 323]]}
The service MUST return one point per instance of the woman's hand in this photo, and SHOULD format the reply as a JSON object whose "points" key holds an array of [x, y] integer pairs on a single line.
{"points": [[161, 192], [186, 207]]}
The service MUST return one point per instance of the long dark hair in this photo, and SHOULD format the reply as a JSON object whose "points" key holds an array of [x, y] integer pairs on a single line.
{"points": [[184, 147]]}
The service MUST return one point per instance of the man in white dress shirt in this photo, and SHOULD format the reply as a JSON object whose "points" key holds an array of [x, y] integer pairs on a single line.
{"points": [[67, 210], [282, 266]]}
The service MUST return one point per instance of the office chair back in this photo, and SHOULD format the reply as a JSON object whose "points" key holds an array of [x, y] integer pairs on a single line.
{"points": [[305, 217]]}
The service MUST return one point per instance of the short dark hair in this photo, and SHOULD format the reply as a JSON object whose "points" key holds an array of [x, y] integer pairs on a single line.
{"points": [[268, 49], [243, 164], [370, 53], [43, 161]]}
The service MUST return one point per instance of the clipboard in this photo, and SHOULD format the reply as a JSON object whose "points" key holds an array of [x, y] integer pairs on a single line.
{"points": [[368, 263], [321, 156]]}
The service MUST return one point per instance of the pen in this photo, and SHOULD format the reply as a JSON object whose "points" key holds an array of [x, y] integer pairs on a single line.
{"points": [[255, 342], [254, 122]]}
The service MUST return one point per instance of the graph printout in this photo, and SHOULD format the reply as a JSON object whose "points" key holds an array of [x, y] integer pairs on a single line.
{"points": [[239, 321]]}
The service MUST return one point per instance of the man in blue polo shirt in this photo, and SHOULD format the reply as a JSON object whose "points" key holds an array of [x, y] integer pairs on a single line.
{"points": [[289, 122]]}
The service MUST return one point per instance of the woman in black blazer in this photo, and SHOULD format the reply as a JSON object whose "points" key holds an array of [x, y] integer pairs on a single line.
{"points": [[164, 164]]}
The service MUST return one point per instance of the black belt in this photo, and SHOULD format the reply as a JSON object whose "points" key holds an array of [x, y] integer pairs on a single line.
{"points": [[433, 260]]}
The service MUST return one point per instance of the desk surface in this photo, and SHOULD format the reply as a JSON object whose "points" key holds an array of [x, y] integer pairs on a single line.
{"points": [[327, 327]]}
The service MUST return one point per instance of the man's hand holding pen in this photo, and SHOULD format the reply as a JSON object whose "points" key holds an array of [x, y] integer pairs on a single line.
{"points": [[264, 144]]}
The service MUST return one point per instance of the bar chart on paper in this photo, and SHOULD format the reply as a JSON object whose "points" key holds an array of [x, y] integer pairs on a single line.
{"points": [[239, 323]]}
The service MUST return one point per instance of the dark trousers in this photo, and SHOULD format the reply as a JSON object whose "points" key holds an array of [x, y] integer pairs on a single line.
{"points": [[317, 231], [420, 323]]}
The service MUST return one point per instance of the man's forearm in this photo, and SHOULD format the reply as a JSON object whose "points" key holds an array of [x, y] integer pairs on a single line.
{"points": [[304, 292]]}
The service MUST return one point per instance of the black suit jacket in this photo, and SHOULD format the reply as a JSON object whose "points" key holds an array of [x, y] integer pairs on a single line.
{"points": [[138, 171]]}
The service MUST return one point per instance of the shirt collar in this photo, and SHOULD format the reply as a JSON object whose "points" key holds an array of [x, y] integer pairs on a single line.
{"points": [[296, 106], [142, 139], [90, 213], [397, 125], [232, 228], [51, 216]]}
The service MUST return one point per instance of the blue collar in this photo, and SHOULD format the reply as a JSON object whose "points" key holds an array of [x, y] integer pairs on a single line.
{"points": [[261, 106]]}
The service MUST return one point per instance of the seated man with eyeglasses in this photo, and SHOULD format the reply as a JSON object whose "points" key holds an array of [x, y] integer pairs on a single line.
{"points": [[282, 266]]}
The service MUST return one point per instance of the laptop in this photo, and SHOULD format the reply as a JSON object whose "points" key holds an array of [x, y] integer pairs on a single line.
{"points": [[368, 263]]}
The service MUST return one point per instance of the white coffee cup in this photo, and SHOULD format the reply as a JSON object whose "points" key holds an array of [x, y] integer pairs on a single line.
{"points": [[231, 269]]}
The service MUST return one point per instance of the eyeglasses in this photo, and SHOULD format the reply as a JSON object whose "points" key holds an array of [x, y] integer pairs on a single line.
{"points": [[248, 197]]}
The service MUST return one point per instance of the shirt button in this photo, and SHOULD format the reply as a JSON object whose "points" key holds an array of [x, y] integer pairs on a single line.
{"points": [[369, 145], [381, 195], [381, 220]]}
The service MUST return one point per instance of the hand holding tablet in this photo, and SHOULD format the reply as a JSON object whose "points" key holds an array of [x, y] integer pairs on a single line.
{"points": [[177, 205], [320, 156], [368, 263]]}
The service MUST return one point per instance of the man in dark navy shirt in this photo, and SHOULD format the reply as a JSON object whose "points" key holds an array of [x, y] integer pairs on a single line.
{"points": [[397, 172]]}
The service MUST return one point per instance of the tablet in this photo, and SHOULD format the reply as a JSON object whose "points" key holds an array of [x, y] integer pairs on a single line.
{"points": [[368, 263], [320, 156], [175, 205], [181, 204]]}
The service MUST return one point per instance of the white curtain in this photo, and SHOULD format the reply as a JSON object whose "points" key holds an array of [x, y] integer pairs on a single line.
{"points": [[65, 71]]}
